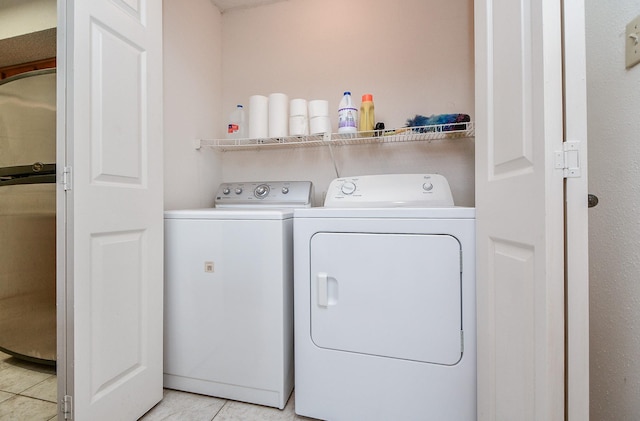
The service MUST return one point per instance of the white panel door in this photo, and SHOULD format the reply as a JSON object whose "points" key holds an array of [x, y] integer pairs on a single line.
{"points": [[110, 135], [519, 200]]}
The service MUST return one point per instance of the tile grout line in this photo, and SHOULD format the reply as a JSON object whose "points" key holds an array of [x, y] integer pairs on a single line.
{"points": [[220, 410], [16, 395], [34, 385], [33, 397]]}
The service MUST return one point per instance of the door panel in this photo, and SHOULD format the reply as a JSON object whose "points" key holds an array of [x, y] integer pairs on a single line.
{"points": [[511, 149], [368, 289], [110, 56], [117, 260], [519, 202], [117, 108], [513, 296]]}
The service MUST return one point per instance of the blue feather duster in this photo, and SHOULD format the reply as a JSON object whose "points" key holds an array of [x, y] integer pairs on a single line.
{"points": [[446, 121]]}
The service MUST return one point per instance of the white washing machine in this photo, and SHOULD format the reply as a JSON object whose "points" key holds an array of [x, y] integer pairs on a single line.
{"points": [[384, 295], [229, 293]]}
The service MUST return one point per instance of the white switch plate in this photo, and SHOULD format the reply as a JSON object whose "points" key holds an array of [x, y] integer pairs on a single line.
{"points": [[632, 43]]}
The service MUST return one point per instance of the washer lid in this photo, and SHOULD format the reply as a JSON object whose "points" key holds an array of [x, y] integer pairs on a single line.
{"points": [[389, 190]]}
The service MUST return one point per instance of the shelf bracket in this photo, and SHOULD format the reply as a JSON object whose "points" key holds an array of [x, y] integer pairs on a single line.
{"points": [[197, 144], [326, 137]]}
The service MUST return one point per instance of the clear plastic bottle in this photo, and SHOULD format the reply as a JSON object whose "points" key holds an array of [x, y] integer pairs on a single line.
{"points": [[347, 115], [367, 121], [237, 129]]}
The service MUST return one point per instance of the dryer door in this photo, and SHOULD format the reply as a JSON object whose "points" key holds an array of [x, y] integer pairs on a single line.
{"points": [[389, 295]]}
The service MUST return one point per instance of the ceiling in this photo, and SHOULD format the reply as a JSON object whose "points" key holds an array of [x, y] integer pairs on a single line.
{"points": [[226, 5]]}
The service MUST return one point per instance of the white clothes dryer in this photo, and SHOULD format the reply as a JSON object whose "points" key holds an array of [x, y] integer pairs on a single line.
{"points": [[385, 302], [229, 293]]}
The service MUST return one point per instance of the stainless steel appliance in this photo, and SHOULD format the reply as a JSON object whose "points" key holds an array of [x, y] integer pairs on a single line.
{"points": [[27, 216]]}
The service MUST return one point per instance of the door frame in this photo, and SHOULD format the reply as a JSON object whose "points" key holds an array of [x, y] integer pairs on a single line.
{"points": [[64, 300], [576, 215]]}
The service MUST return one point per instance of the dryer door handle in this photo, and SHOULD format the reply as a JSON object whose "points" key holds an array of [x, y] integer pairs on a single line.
{"points": [[323, 289], [327, 290]]}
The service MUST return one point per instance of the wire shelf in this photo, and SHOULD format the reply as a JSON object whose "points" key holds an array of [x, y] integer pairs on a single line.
{"points": [[404, 134]]}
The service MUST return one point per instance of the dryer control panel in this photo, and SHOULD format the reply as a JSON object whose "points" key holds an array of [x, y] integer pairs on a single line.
{"points": [[390, 190]]}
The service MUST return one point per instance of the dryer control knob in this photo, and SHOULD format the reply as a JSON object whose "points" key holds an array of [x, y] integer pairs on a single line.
{"points": [[238, 190], [348, 187], [285, 190], [226, 190], [427, 186]]}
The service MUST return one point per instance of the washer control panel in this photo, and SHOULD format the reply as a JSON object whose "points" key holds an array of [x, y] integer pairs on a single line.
{"points": [[390, 190], [282, 194]]}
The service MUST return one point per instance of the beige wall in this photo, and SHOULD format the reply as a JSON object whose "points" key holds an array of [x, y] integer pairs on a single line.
{"points": [[21, 17], [414, 56], [192, 96], [614, 228]]}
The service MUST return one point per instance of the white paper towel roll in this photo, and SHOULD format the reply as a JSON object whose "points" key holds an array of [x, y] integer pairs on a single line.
{"points": [[298, 121], [298, 106], [278, 115], [318, 108], [319, 124], [298, 125], [258, 116]]}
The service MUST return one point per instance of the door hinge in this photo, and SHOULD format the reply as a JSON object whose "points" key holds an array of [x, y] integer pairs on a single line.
{"points": [[67, 407], [67, 178], [568, 159]]}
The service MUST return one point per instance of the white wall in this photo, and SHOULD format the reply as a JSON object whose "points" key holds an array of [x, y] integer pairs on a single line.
{"points": [[414, 56], [192, 97], [21, 17], [614, 225]]}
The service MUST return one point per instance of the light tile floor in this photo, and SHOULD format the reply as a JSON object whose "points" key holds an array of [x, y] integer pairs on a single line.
{"points": [[28, 392], [179, 406]]}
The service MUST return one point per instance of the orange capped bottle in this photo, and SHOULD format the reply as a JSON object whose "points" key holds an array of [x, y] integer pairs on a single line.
{"points": [[367, 120]]}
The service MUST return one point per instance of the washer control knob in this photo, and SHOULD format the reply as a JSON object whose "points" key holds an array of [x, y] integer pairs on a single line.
{"points": [[238, 190], [285, 190], [226, 190], [428, 186], [261, 191], [348, 187]]}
